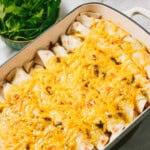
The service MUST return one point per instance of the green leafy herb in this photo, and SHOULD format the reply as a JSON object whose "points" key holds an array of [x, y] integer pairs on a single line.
{"points": [[25, 19]]}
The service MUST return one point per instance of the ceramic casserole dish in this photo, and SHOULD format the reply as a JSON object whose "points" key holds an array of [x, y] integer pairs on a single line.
{"points": [[53, 33]]}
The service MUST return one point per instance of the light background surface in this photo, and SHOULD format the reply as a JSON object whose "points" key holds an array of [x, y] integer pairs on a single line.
{"points": [[139, 139]]}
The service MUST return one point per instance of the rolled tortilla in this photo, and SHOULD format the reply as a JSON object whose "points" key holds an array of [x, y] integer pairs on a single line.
{"points": [[70, 42], [5, 90], [129, 110], [103, 140], [136, 45], [83, 144], [87, 18], [43, 56], [59, 50], [115, 128], [92, 14], [78, 27], [11, 75], [141, 102], [139, 55], [38, 67], [20, 76], [28, 66]]}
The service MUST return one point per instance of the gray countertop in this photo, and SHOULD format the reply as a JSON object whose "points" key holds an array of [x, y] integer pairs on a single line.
{"points": [[139, 139]]}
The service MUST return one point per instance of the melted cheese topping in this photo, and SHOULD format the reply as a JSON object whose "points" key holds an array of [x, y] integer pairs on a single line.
{"points": [[75, 95]]}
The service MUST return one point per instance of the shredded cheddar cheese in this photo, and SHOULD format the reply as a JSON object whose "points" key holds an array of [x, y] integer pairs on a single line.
{"points": [[75, 95]]}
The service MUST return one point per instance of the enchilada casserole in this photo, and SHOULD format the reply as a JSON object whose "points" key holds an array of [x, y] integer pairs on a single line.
{"points": [[79, 95]]}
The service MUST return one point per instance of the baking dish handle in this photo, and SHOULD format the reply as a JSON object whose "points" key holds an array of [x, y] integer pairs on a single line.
{"points": [[138, 10]]}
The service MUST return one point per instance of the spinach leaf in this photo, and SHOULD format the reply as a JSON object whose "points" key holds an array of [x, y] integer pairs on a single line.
{"points": [[26, 19]]}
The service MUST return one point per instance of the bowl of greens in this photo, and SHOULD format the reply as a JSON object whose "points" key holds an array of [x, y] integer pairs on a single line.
{"points": [[22, 21]]}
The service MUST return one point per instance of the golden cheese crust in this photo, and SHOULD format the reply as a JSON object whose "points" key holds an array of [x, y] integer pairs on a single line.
{"points": [[82, 100]]}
